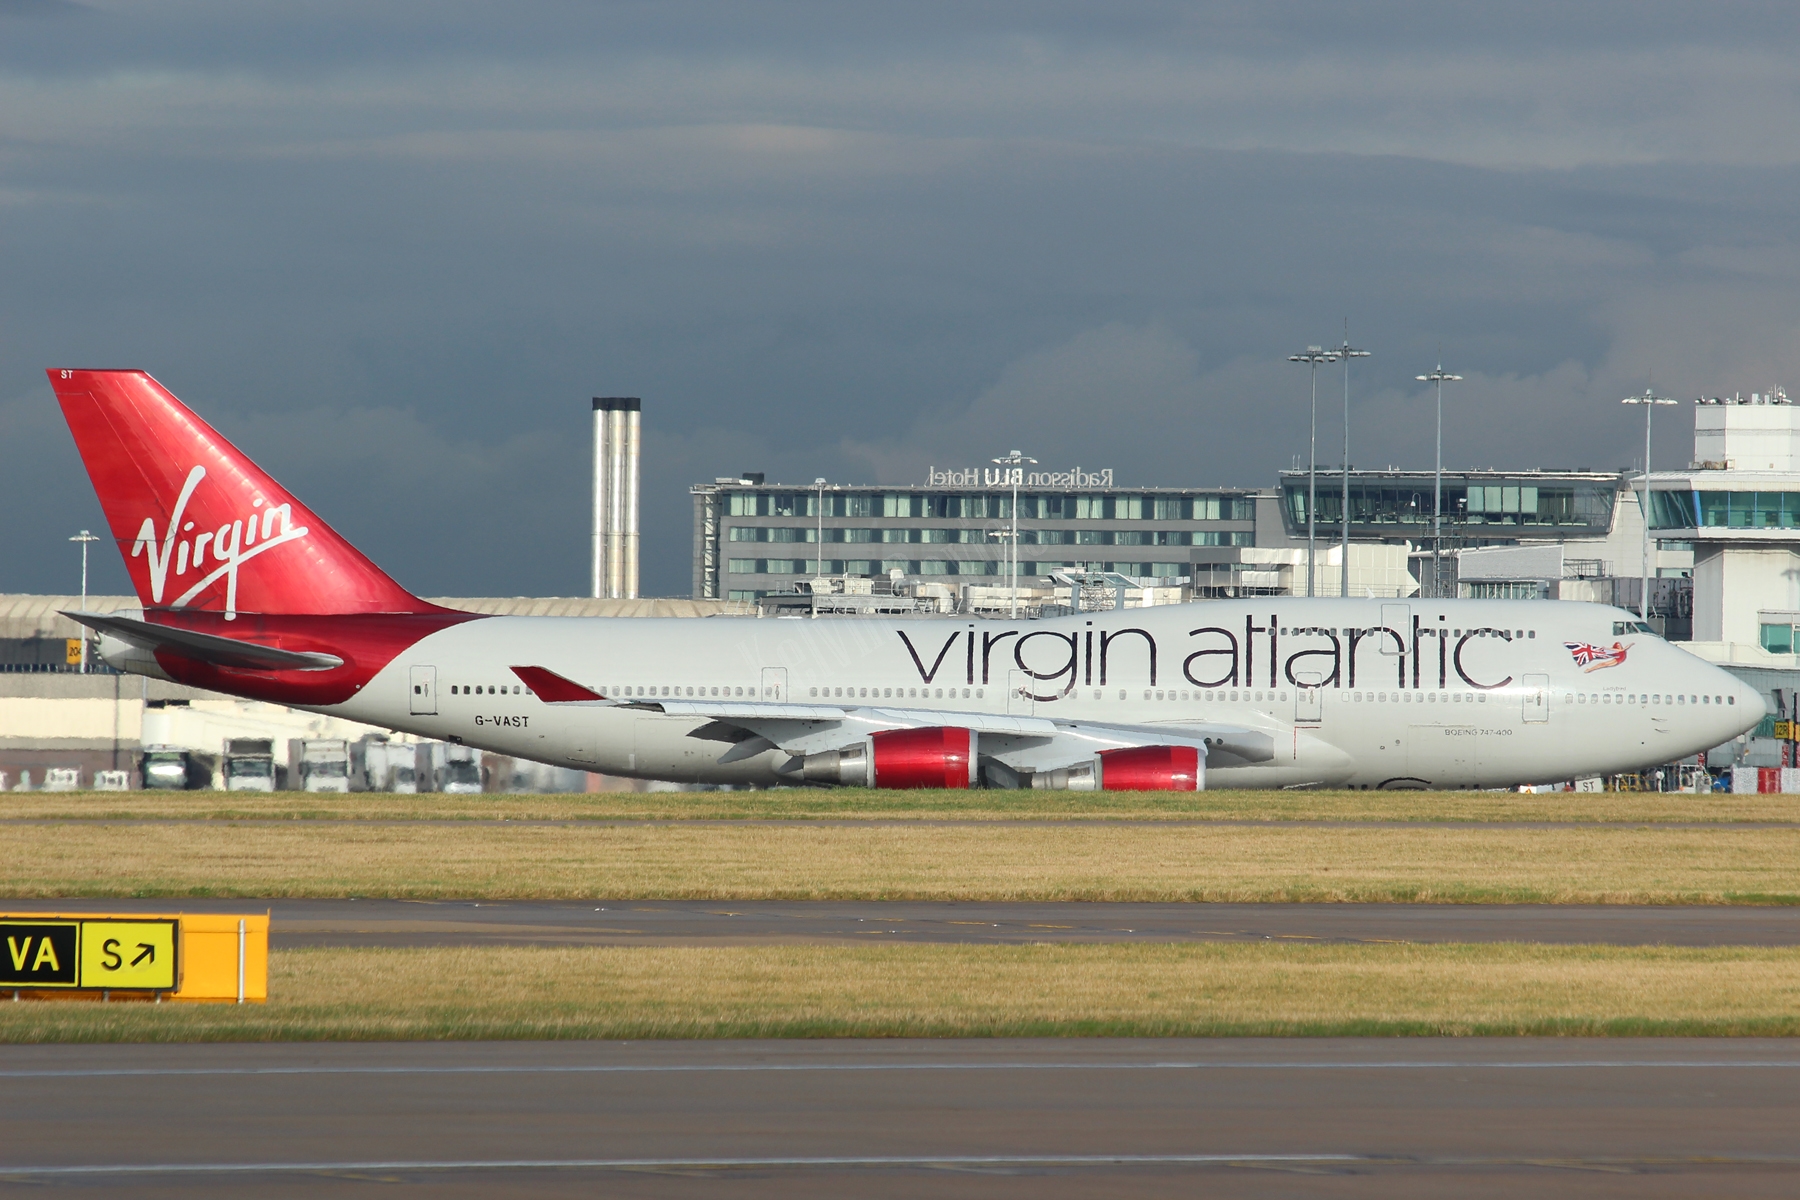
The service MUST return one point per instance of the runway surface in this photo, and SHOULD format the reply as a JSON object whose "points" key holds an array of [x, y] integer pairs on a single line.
{"points": [[895, 823], [1253, 1118], [617, 923]]}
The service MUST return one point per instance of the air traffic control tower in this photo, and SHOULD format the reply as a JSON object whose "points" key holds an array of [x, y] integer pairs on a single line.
{"points": [[1738, 506]]}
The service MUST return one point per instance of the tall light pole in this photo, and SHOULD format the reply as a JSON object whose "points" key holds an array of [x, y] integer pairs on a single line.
{"points": [[1016, 462], [1345, 353], [1007, 538], [1649, 400], [819, 558], [1313, 357], [85, 538], [1439, 377]]}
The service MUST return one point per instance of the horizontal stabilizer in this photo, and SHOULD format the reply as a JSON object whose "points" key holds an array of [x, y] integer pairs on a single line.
{"points": [[552, 688], [206, 647]]}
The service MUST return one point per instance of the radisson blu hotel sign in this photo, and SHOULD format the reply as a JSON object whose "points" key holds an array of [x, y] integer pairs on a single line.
{"points": [[996, 477]]}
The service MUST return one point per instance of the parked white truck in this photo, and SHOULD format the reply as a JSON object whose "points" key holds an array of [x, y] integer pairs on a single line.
{"points": [[249, 764], [175, 768], [378, 765], [319, 764], [445, 767]]}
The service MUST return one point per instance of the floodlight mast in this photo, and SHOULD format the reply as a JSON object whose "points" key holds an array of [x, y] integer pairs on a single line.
{"points": [[1313, 357], [86, 539], [1439, 377], [1649, 400], [819, 558], [1015, 461], [1346, 353]]}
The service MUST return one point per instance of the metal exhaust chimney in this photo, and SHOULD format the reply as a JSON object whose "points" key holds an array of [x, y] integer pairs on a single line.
{"points": [[616, 428]]}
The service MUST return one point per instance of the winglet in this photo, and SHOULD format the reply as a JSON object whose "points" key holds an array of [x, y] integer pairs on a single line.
{"points": [[552, 688]]}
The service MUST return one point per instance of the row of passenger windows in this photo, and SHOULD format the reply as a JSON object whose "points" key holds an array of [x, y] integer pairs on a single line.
{"points": [[1651, 698], [1216, 696], [1427, 630], [1568, 698], [1413, 697], [850, 693]]}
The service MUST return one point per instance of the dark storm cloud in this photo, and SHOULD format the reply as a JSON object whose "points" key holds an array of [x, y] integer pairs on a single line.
{"points": [[392, 249]]}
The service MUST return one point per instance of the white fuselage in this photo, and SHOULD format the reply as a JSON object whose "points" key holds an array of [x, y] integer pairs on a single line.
{"points": [[1357, 693]]}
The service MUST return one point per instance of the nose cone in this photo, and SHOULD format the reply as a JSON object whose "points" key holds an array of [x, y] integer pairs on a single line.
{"points": [[1745, 706], [1759, 705]]}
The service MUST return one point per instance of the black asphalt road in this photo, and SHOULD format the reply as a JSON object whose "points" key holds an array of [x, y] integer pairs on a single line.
{"points": [[745, 922], [1046, 1118]]}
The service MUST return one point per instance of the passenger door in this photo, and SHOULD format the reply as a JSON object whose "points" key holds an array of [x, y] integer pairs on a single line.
{"points": [[1019, 700], [774, 684], [1537, 698], [1307, 706], [424, 691], [1397, 617]]}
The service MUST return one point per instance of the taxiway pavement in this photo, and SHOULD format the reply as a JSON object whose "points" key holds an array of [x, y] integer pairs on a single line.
{"points": [[298, 923], [1396, 1117]]}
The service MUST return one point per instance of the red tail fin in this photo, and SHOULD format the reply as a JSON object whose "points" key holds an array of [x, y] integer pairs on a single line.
{"points": [[199, 524]]}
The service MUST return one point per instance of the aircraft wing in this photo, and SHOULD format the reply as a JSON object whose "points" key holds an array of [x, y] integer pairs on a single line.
{"points": [[752, 727], [802, 729]]}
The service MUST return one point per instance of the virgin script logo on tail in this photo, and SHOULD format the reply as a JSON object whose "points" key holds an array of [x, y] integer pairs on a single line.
{"points": [[1596, 658], [229, 546]]}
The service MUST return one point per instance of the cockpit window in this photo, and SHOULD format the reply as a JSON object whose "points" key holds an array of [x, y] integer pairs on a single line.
{"points": [[1623, 627]]}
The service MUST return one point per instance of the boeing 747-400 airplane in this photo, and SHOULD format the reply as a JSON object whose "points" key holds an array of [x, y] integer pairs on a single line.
{"points": [[246, 591]]}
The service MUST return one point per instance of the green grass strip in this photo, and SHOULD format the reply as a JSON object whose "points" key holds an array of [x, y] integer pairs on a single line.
{"points": [[1187, 990]]}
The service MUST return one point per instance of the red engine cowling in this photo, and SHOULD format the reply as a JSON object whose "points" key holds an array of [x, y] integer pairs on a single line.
{"points": [[1150, 769], [936, 757], [1138, 769]]}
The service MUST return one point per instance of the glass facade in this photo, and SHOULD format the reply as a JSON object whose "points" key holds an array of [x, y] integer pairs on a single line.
{"points": [[1406, 507], [1724, 510], [1478, 506], [753, 538], [1505, 589], [977, 506], [931, 566]]}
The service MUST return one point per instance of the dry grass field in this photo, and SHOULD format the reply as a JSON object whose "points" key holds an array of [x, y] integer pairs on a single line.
{"points": [[904, 860], [944, 991], [789, 804]]}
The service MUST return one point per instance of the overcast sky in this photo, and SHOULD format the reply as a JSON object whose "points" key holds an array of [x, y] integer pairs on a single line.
{"points": [[392, 249]]}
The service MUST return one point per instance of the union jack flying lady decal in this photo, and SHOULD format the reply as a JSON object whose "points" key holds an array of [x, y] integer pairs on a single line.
{"points": [[1596, 658]]}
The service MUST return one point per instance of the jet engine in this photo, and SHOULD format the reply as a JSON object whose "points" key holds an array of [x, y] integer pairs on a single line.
{"points": [[1136, 769], [934, 757]]}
